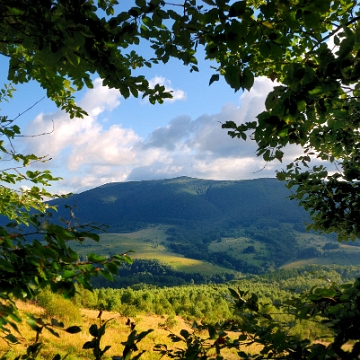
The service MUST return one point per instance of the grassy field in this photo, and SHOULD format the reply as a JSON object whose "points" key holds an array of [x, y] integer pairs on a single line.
{"points": [[346, 255], [310, 239], [151, 244], [147, 244], [236, 246], [117, 331]]}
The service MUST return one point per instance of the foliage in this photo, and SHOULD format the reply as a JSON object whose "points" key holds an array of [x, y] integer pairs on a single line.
{"points": [[198, 214], [14, 202], [315, 101], [32, 260], [209, 302], [152, 272], [57, 307], [217, 206], [334, 307], [60, 43], [281, 294], [97, 333], [313, 105]]}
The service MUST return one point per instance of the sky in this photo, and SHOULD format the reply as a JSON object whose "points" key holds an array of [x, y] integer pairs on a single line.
{"points": [[131, 139]]}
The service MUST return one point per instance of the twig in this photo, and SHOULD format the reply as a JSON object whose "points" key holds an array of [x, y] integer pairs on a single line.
{"points": [[28, 109], [45, 133]]}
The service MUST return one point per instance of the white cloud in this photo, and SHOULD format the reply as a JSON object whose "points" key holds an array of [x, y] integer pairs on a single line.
{"points": [[99, 147], [88, 154], [99, 99], [177, 94], [71, 134]]}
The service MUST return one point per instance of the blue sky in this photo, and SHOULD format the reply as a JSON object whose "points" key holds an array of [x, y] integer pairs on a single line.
{"points": [[130, 139]]}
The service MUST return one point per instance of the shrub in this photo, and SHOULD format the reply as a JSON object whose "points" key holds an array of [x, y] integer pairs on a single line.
{"points": [[62, 309]]}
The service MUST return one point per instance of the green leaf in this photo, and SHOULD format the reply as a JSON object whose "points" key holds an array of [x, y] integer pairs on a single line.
{"points": [[53, 331], [248, 79], [140, 3], [13, 339], [233, 76], [33, 324], [209, 2], [184, 333], [237, 9], [89, 344], [327, 293], [212, 332], [68, 274], [142, 335], [107, 275], [112, 268], [93, 330], [56, 323], [346, 46], [95, 258], [234, 293], [242, 337], [213, 78], [73, 329]]}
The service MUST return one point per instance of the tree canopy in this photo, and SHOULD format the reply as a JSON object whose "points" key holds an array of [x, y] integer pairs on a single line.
{"points": [[309, 48]]}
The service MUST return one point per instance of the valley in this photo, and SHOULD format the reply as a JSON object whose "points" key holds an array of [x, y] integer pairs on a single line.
{"points": [[213, 230]]}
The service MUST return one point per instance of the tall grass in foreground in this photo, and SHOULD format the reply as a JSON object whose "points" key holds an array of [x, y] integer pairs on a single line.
{"points": [[116, 332], [55, 306]]}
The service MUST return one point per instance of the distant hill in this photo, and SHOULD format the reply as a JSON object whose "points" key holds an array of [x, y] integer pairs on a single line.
{"points": [[243, 225], [128, 206], [187, 229]]}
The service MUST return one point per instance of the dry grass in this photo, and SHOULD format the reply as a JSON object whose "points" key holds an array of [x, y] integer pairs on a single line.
{"points": [[116, 332]]}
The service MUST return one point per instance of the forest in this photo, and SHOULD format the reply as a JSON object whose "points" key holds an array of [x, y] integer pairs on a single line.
{"points": [[194, 307]]}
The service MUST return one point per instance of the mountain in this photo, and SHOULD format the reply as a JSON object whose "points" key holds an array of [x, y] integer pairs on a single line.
{"points": [[127, 206], [187, 229]]}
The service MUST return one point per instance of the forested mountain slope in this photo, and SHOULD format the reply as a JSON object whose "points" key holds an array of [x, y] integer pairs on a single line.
{"points": [[129, 205], [247, 226]]}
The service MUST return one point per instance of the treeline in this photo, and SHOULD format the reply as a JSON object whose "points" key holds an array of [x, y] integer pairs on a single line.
{"points": [[152, 272], [281, 244], [212, 303], [302, 276]]}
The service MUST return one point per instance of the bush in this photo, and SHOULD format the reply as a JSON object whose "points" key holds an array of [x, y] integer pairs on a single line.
{"points": [[56, 306], [170, 322], [249, 250]]}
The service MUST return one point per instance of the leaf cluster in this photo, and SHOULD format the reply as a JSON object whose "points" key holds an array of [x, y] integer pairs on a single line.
{"points": [[334, 306], [314, 103]]}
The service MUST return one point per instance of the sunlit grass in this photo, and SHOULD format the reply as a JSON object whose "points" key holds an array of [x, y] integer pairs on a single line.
{"points": [[235, 247], [149, 244], [116, 332]]}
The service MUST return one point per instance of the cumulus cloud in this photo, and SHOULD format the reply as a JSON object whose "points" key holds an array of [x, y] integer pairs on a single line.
{"points": [[201, 148], [89, 154], [80, 145], [72, 134], [99, 99], [177, 94], [169, 136]]}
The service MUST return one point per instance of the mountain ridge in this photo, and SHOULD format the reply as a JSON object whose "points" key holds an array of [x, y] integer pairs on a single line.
{"points": [[183, 199], [245, 225]]}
